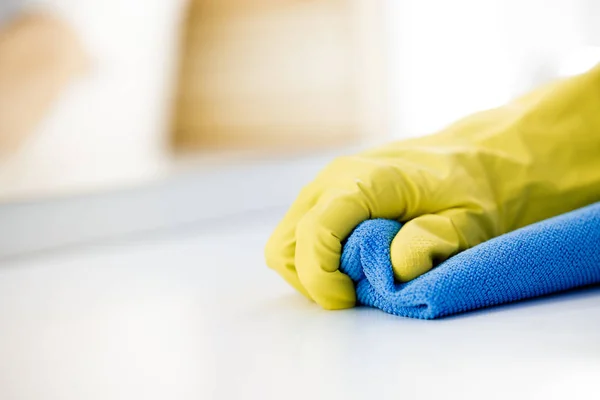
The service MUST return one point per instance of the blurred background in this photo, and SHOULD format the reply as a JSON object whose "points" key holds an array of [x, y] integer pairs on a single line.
{"points": [[122, 116], [147, 149]]}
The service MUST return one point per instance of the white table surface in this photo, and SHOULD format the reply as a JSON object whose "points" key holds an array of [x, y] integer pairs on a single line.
{"points": [[196, 314]]}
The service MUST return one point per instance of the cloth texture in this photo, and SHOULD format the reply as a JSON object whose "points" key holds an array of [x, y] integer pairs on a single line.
{"points": [[553, 255]]}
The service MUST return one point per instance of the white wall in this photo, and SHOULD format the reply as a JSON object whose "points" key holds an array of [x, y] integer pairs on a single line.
{"points": [[109, 128], [451, 58]]}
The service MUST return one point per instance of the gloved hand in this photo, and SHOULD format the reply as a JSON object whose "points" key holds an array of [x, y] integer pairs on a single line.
{"points": [[488, 174]]}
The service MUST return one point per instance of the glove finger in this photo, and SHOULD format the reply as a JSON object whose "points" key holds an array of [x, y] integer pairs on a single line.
{"points": [[426, 241], [363, 193], [379, 189], [305, 247], [281, 247], [319, 235]]}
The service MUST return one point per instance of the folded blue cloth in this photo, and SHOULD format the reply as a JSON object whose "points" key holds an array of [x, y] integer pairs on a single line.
{"points": [[550, 256]]}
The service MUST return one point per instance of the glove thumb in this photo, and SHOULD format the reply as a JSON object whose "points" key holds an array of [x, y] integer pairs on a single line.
{"points": [[430, 239]]}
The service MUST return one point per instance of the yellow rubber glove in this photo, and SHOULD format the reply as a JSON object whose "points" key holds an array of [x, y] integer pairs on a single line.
{"points": [[488, 174]]}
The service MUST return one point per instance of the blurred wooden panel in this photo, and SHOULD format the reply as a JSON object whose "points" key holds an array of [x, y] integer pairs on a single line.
{"points": [[273, 73]]}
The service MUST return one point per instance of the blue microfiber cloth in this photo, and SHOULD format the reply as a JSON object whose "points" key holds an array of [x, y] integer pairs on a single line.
{"points": [[550, 256]]}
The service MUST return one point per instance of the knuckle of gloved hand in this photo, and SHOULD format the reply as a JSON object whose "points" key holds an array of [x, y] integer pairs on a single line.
{"points": [[273, 253], [308, 225], [336, 168], [309, 189]]}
